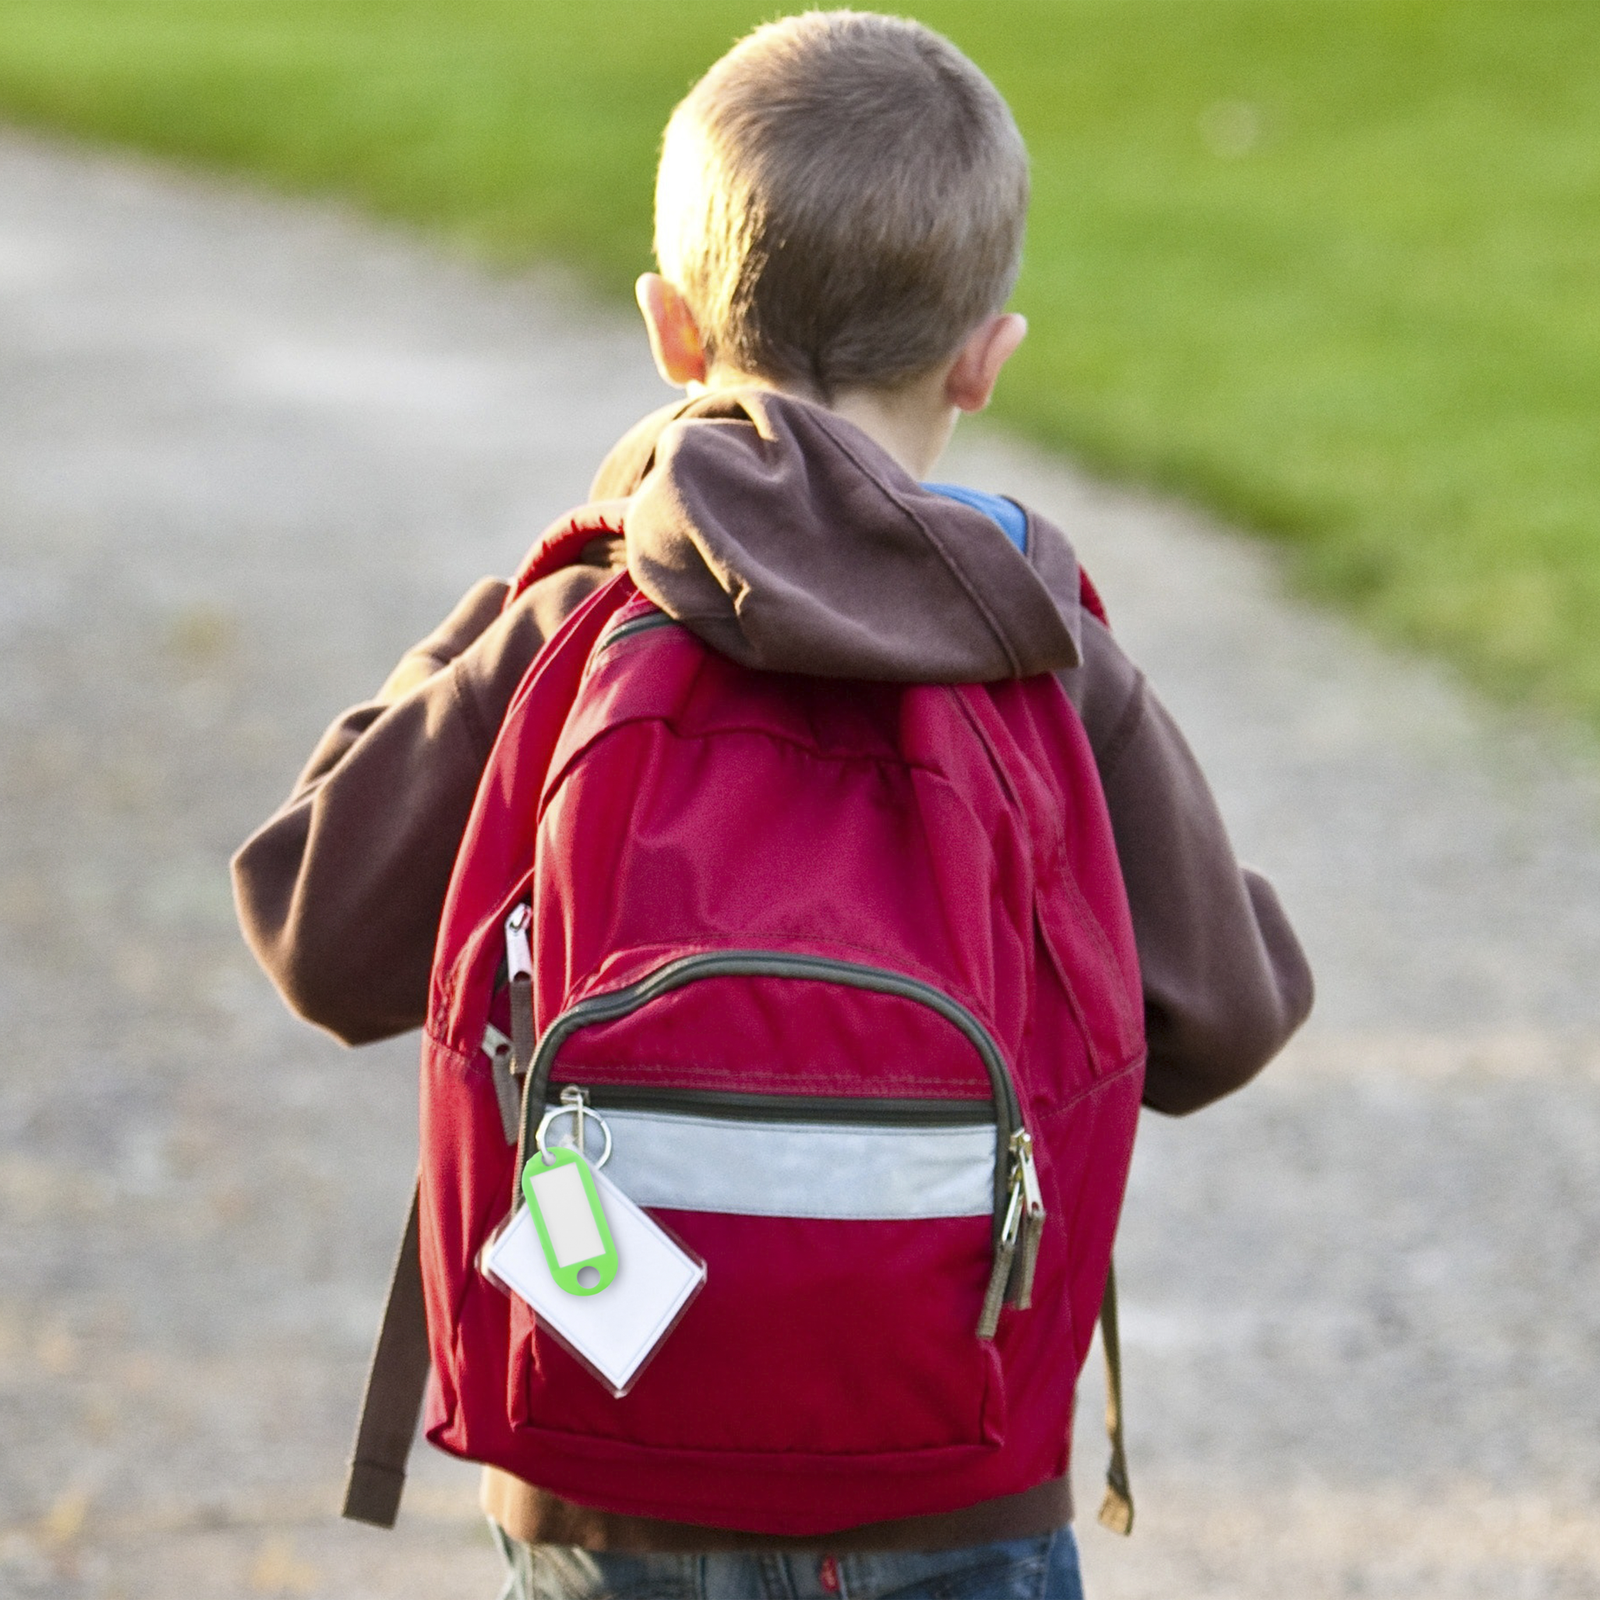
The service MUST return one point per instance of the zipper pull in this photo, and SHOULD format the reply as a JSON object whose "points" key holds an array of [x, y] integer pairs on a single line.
{"points": [[519, 972], [519, 956], [1033, 1216], [1005, 1252], [575, 1104]]}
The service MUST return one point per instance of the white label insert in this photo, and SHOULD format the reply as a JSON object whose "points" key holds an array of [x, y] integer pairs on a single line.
{"points": [[564, 1204]]}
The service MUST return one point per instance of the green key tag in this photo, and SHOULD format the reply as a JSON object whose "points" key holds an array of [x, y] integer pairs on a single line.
{"points": [[565, 1205]]}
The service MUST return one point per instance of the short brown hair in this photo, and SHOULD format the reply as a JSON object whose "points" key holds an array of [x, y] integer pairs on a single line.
{"points": [[841, 199]]}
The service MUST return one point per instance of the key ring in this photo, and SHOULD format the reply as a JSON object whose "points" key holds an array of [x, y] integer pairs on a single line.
{"points": [[573, 1104]]}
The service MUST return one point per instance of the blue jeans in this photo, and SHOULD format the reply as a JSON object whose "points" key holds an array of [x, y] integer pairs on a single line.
{"points": [[1045, 1568]]}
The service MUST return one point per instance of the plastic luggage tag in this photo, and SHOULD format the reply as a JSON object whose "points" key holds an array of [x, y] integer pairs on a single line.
{"points": [[576, 1222], [564, 1200]]}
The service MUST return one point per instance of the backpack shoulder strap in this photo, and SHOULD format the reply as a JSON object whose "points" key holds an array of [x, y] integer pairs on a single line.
{"points": [[397, 1379], [562, 543], [1089, 598], [1116, 1510]]}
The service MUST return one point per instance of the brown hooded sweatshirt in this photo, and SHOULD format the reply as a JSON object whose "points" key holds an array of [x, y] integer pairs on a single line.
{"points": [[790, 541]]}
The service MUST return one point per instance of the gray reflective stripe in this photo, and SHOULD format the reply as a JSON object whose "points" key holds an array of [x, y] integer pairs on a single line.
{"points": [[800, 1169]]}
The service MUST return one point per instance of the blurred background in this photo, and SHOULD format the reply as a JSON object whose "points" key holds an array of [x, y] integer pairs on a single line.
{"points": [[312, 311]]}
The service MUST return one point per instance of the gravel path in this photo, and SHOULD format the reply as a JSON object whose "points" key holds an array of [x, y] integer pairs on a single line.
{"points": [[248, 451]]}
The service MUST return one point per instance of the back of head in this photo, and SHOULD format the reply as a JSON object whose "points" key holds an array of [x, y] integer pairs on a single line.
{"points": [[841, 200]]}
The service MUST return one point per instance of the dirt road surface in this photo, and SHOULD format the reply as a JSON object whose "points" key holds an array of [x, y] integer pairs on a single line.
{"points": [[250, 449]]}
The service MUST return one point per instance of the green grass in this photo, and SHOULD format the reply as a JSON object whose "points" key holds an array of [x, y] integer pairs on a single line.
{"points": [[1329, 266]]}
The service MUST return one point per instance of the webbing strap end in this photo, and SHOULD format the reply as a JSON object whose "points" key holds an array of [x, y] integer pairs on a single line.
{"points": [[1116, 1510]]}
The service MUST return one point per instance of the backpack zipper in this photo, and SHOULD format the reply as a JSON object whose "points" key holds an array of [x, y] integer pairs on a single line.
{"points": [[626, 630], [1018, 1201], [800, 1108], [618, 1003]]}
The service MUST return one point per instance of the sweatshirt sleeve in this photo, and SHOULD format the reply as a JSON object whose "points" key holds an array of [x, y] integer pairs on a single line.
{"points": [[340, 892], [1225, 980]]}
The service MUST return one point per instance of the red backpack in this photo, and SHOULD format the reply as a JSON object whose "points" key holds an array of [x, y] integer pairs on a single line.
{"points": [[848, 968]]}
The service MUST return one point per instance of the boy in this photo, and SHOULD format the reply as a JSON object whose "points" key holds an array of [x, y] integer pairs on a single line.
{"points": [[839, 219]]}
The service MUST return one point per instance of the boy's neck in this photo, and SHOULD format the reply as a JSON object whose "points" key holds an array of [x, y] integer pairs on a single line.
{"points": [[913, 422]]}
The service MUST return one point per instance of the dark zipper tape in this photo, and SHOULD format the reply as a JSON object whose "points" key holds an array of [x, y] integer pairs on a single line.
{"points": [[844, 1110], [619, 1003], [626, 630]]}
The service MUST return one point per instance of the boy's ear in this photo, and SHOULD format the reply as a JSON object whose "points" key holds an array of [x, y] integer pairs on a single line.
{"points": [[973, 374], [674, 337]]}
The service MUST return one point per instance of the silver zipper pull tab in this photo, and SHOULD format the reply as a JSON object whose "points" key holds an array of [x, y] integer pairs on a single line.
{"points": [[519, 974], [1005, 1252], [519, 955], [1033, 1216]]}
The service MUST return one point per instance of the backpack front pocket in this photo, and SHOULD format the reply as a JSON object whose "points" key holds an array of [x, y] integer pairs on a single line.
{"points": [[844, 1260], [852, 1243]]}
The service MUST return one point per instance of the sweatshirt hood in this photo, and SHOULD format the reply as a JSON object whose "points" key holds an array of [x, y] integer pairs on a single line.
{"points": [[790, 541]]}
